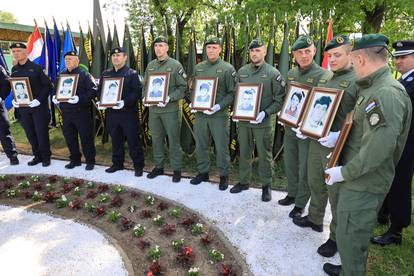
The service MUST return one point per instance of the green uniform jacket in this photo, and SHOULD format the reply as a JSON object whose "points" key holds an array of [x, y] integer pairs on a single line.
{"points": [[226, 75], [344, 80], [310, 76], [382, 117], [273, 91], [177, 84]]}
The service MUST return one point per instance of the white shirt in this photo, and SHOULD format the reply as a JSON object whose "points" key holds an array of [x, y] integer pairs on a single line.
{"points": [[407, 74]]}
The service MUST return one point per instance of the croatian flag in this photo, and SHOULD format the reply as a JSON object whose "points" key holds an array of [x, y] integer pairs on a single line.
{"points": [[325, 62], [35, 46]]}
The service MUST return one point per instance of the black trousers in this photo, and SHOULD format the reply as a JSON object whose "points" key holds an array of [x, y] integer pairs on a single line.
{"points": [[78, 123], [6, 138], [35, 122], [121, 125], [397, 204]]}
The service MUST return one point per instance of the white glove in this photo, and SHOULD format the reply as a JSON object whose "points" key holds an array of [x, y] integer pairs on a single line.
{"points": [[213, 110], [299, 133], [119, 105], [1, 99], [279, 122], [73, 100], [334, 175], [98, 105], [329, 141], [34, 103], [164, 104], [329, 155], [54, 100], [259, 118], [15, 104], [191, 108]]}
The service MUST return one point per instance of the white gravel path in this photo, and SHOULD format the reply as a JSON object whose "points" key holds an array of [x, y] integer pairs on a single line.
{"points": [[33, 244], [263, 232]]}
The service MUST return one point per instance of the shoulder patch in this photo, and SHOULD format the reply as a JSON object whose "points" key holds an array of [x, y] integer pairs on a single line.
{"points": [[234, 74], [323, 81], [374, 114], [243, 76], [182, 73], [310, 80], [219, 70], [344, 84], [371, 105], [360, 100]]}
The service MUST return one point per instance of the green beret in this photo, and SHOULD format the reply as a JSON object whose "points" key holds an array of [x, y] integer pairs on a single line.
{"points": [[117, 50], [18, 45], [160, 39], [71, 53], [256, 43], [213, 40], [337, 41], [302, 42], [370, 40]]}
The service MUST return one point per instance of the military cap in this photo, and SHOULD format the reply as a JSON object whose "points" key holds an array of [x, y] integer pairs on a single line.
{"points": [[71, 53], [302, 42], [370, 40], [160, 39], [337, 41], [256, 43], [403, 47], [117, 50], [213, 40], [18, 45]]}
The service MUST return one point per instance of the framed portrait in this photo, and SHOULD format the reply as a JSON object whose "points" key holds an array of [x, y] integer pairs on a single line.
{"points": [[111, 91], [204, 93], [66, 87], [156, 90], [294, 105], [247, 101], [22, 92], [320, 111], [345, 129]]}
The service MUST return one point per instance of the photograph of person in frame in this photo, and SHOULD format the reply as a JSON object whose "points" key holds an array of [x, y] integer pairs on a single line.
{"points": [[247, 100], [317, 117], [157, 88], [21, 92], [66, 90], [293, 108]]}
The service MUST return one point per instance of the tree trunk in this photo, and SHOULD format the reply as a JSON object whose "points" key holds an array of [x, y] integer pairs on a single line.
{"points": [[373, 18]]}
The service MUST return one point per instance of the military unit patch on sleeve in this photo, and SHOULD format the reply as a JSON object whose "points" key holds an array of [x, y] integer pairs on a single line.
{"points": [[344, 83], [370, 106], [280, 80], [374, 114], [322, 81], [234, 75], [182, 73]]}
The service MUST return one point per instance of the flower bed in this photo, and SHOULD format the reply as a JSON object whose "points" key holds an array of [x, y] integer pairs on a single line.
{"points": [[158, 237]]}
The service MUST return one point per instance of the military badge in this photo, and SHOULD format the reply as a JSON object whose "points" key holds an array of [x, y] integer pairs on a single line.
{"points": [[309, 41], [374, 119], [399, 44], [370, 106], [339, 40]]}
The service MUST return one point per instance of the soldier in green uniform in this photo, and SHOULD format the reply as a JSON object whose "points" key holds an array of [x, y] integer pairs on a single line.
{"points": [[164, 118], [259, 132], [296, 150], [214, 122], [343, 78], [381, 122]]}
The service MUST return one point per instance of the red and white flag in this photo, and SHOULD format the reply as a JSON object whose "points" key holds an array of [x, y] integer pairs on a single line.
{"points": [[35, 45], [325, 63]]}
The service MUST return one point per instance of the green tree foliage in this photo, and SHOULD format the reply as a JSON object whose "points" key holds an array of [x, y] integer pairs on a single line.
{"points": [[7, 17]]}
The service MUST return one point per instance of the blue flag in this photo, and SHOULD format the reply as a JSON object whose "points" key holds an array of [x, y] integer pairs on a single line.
{"points": [[8, 100], [51, 68], [56, 45], [67, 47]]}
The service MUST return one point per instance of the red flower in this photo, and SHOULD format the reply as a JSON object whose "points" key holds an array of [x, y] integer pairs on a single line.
{"points": [[52, 178], [225, 270], [162, 206], [206, 240], [126, 224], [103, 188], [143, 244], [100, 211], [155, 267], [38, 186], [26, 194], [146, 213], [50, 197], [188, 251], [134, 194], [75, 204], [117, 201], [168, 229], [77, 182], [67, 188], [91, 194]]}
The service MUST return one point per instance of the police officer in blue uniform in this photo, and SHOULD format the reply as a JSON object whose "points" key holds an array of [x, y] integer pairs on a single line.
{"points": [[6, 138], [122, 119], [36, 116], [397, 204], [77, 115]]}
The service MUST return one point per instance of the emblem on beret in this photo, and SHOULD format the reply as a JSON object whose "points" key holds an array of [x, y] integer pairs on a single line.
{"points": [[339, 40], [17, 44], [374, 119], [116, 51], [399, 44], [309, 41], [352, 42]]}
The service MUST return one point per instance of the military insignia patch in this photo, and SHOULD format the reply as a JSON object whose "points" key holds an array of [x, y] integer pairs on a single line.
{"points": [[234, 74], [344, 84], [200, 70], [151, 69], [291, 78], [219, 71], [409, 79], [360, 100], [399, 44], [244, 76], [309, 41], [310, 80], [339, 40], [322, 81], [264, 76], [170, 69], [370, 106], [374, 119]]}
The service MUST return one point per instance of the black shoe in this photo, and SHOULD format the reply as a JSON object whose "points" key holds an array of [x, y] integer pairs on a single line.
{"points": [[72, 164], [296, 212], [388, 238], [266, 194], [155, 172], [328, 249], [199, 178], [305, 222], [331, 269], [176, 176], [34, 161], [383, 219], [139, 172], [224, 183], [46, 163], [288, 200], [238, 188], [89, 166], [14, 160], [114, 168]]}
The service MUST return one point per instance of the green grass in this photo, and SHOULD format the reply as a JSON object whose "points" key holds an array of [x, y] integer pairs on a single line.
{"points": [[392, 260]]}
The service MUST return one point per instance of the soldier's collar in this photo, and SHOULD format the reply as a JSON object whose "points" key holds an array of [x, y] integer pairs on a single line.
{"points": [[257, 68], [304, 71], [164, 60], [120, 69], [74, 70], [343, 72], [214, 62], [369, 80], [27, 62]]}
